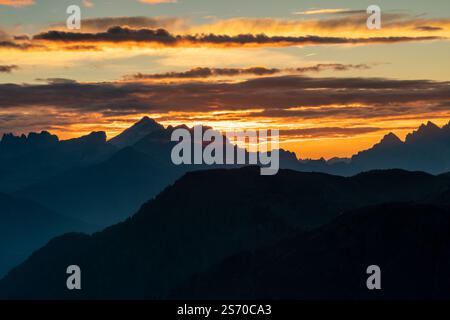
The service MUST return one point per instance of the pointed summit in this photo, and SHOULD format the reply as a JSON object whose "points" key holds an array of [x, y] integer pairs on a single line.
{"points": [[139, 130], [430, 126], [145, 121], [446, 129], [425, 132], [388, 141]]}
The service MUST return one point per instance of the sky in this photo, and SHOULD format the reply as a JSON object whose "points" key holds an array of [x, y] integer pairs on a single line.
{"points": [[311, 69]]}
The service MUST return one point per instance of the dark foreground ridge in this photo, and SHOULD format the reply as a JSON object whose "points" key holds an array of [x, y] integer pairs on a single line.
{"points": [[408, 242], [209, 216]]}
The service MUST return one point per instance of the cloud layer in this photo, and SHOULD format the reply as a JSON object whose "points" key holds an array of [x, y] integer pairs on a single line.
{"points": [[344, 28], [16, 3], [8, 68], [302, 108], [284, 96], [104, 23], [204, 72], [162, 38]]}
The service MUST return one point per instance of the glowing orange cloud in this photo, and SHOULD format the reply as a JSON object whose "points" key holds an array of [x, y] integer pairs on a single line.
{"points": [[160, 38], [353, 26], [234, 33], [328, 137], [88, 3], [16, 3], [321, 11]]}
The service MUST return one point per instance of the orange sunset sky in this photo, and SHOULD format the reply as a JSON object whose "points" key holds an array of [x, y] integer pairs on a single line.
{"points": [[311, 69]]}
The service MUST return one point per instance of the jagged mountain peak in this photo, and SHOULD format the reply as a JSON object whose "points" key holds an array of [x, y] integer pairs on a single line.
{"points": [[136, 132], [93, 137], [145, 121], [428, 127], [446, 127], [31, 137], [23, 143], [390, 139], [428, 130]]}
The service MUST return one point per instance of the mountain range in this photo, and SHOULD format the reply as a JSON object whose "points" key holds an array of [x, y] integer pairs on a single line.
{"points": [[28, 159], [211, 223], [426, 149], [111, 179], [89, 183]]}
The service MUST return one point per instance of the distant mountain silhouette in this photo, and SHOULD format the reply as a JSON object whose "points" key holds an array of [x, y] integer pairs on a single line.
{"points": [[208, 216], [427, 132], [409, 242], [28, 159], [385, 154], [110, 191], [111, 181], [135, 133], [103, 182], [426, 149], [106, 192], [25, 226], [12, 145]]}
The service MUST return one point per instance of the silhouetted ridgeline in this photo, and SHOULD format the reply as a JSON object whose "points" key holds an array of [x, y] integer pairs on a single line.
{"points": [[26, 226], [103, 182], [408, 242], [26, 160], [113, 178], [426, 149], [171, 246]]}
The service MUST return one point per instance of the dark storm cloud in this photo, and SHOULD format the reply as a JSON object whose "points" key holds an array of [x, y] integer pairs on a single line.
{"points": [[82, 48], [320, 97], [115, 34], [333, 66], [57, 81], [104, 23], [20, 46], [21, 37], [163, 37], [8, 68], [428, 28], [203, 72]]}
